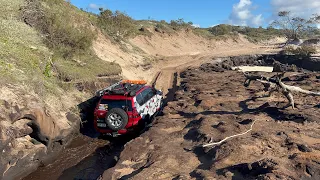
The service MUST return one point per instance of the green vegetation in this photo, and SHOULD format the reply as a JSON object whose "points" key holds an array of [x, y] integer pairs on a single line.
{"points": [[253, 34], [204, 32], [303, 51], [295, 27], [117, 24], [71, 42], [46, 42], [84, 67], [22, 52], [66, 29], [180, 24]]}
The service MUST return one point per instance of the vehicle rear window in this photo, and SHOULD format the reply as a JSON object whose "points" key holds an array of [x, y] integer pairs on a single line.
{"points": [[117, 103]]}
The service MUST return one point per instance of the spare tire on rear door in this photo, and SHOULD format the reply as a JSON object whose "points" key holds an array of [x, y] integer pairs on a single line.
{"points": [[116, 119]]}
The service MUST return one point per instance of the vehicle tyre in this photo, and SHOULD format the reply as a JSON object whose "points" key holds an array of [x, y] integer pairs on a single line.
{"points": [[142, 124], [161, 108], [116, 119]]}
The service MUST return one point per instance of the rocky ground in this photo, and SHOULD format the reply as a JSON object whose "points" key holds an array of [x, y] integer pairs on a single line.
{"points": [[210, 104], [34, 131]]}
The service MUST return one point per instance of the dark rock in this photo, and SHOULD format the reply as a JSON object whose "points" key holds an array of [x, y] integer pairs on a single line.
{"points": [[158, 30], [304, 148], [6, 104], [293, 156], [246, 121], [313, 170], [219, 124], [37, 134], [278, 67], [252, 170]]}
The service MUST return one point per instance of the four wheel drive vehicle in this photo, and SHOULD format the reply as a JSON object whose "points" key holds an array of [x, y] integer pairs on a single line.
{"points": [[126, 105]]}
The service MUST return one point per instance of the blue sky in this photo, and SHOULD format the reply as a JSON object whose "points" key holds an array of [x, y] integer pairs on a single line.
{"points": [[204, 12]]}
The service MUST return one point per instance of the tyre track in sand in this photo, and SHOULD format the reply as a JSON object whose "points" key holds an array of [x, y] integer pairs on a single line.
{"points": [[163, 78]]}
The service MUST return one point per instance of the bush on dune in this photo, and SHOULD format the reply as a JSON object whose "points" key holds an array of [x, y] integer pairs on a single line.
{"points": [[117, 24], [57, 28], [304, 51], [69, 33]]}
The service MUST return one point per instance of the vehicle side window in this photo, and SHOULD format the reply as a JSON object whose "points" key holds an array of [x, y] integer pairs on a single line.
{"points": [[139, 99], [144, 96], [151, 93]]}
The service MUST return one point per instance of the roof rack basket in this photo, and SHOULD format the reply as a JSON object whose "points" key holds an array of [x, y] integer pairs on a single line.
{"points": [[110, 88]]}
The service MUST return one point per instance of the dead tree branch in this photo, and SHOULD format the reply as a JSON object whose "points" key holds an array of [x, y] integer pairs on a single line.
{"points": [[274, 83], [229, 137]]}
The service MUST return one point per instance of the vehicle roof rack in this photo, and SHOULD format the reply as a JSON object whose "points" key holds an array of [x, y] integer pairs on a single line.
{"points": [[123, 87]]}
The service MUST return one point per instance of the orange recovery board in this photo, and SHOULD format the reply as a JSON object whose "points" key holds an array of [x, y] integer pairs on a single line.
{"points": [[134, 81]]}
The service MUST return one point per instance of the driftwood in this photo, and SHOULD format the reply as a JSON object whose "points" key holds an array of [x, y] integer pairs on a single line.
{"points": [[274, 83], [229, 137]]}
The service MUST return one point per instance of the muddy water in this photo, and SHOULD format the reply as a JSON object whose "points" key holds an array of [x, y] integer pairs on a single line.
{"points": [[85, 158], [69, 164]]}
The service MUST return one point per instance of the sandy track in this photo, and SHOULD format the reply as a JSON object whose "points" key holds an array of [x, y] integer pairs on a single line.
{"points": [[157, 58], [163, 78]]}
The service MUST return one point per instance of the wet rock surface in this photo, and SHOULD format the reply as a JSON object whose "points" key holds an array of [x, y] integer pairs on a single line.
{"points": [[209, 106]]}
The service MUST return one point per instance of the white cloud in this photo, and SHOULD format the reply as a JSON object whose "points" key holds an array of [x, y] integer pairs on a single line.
{"points": [[196, 25], [94, 6], [214, 25], [242, 4], [302, 8], [257, 20], [242, 15]]}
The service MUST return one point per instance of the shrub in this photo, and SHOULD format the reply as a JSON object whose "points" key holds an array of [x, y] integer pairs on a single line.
{"points": [[305, 51], [66, 31], [117, 24], [57, 27], [221, 29], [180, 24], [164, 27], [253, 34]]}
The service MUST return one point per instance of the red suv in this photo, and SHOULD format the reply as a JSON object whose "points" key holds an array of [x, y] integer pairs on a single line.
{"points": [[125, 105]]}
